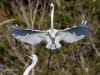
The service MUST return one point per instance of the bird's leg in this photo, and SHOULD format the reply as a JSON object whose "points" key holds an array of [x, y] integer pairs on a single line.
{"points": [[49, 59], [56, 51]]}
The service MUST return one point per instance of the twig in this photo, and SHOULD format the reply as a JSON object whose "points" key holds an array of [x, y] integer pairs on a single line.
{"points": [[98, 63], [34, 16], [9, 70], [83, 62], [56, 70], [7, 21], [93, 45], [22, 9], [58, 3], [30, 11], [42, 14]]}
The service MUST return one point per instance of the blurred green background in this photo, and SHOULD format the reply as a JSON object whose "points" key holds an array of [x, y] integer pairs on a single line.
{"points": [[79, 58]]}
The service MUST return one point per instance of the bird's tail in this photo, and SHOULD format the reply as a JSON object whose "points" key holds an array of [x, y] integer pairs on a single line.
{"points": [[53, 46]]}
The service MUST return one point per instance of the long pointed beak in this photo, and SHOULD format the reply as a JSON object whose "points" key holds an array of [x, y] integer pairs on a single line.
{"points": [[28, 55]]}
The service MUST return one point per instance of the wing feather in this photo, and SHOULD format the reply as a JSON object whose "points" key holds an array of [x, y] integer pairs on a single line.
{"points": [[75, 33], [29, 36]]}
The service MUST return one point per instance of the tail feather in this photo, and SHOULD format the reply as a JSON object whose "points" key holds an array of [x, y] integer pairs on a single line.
{"points": [[53, 46]]}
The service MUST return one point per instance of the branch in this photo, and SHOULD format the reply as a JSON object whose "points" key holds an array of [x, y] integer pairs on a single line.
{"points": [[22, 9], [7, 21], [30, 7], [58, 3], [34, 16], [42, 14], [83, 63], [93, 45]]}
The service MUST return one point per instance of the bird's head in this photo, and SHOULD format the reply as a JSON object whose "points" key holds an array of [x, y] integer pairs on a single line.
{"points": [[33, 57], [51, 6]]}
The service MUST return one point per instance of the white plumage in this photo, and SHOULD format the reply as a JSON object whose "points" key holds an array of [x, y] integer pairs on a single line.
{"points": [[52, 36], [34, 61]]}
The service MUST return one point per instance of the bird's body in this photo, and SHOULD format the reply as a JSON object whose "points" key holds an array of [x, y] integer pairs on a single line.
{"points": [[34, 61], [52, 36], [52, 33]]}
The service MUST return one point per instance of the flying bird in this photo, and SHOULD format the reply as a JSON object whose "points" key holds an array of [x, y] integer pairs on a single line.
{"points": [[34, 61], [52, 36]]}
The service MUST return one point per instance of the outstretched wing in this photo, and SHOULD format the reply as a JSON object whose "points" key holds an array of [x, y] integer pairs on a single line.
{"points": [[29, 36], [75, 33]]}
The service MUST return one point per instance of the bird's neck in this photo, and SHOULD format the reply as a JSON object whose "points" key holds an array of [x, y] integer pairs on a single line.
{"points": [[29, 68], [52, 16]]}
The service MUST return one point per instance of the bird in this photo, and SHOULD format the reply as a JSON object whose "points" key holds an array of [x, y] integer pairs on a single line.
{"points": [[34, 61], [52, 36]]}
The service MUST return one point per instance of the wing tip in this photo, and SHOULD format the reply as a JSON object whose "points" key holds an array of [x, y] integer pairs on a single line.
{"points": [[83, 22]]}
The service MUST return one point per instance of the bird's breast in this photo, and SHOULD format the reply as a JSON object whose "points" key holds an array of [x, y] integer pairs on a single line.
{"points": [[53, 33]]}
